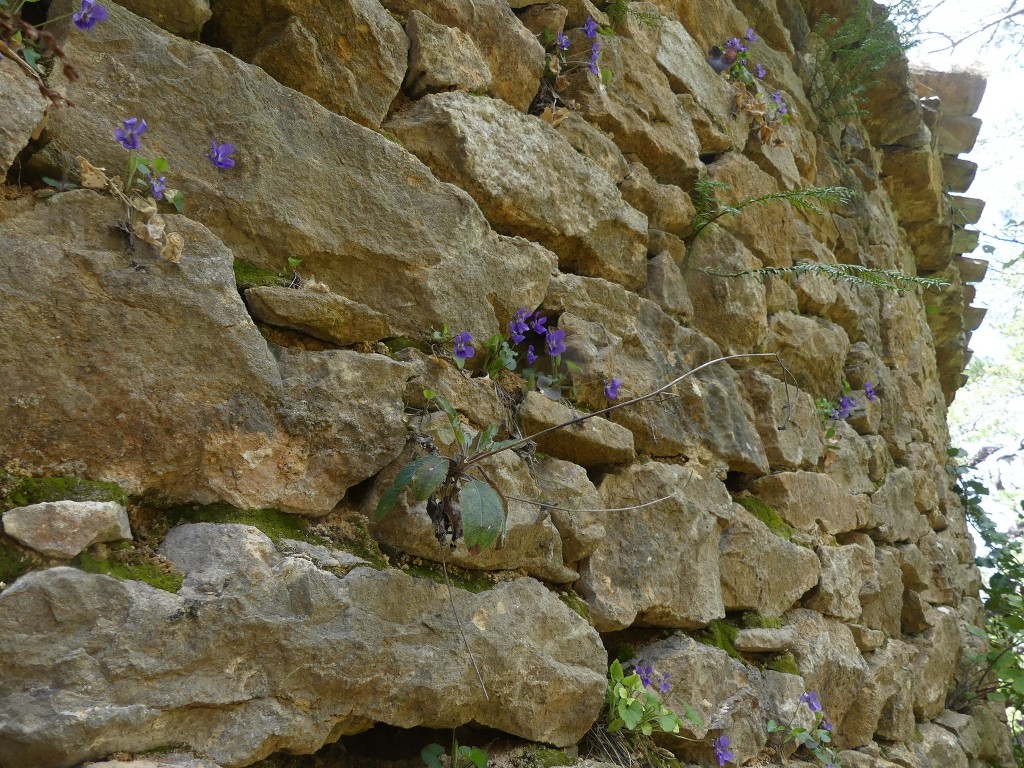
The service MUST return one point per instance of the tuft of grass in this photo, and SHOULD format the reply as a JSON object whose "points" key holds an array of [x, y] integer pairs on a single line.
{"points": [[754, 620], [13, 561], [248, 275], [721, 634]]}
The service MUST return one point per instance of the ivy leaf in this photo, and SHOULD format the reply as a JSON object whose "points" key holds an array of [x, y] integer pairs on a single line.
{"points": [[483, 515], [431, 755]]}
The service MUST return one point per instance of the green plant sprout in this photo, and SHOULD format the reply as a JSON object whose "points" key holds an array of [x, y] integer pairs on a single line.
{"points": [[817, 740], [462, 756], [634, 705], [889, 279]]}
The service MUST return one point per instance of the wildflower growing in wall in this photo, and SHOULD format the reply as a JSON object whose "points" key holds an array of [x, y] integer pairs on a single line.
{"points": [[531, 356], [590, 28], [462, 348], [722, 752], [88, 16], [562, 42], [842, 411], [595, 53], [220, 154], [519, 325], [759, 71], [812, 701], [751, 36], [611, 389], [555, 342], [869, 390], [157, 186], [128, 135]]}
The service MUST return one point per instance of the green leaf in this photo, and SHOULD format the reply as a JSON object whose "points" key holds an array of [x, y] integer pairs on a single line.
{"points": [[431, 755], [428, 476], [429, 394], [160, 165], [631, 714], [483, 515], [475, 755], [615, 671], [390, 497], [485, 439], [669, 723], [177, 200], [693, 717]]}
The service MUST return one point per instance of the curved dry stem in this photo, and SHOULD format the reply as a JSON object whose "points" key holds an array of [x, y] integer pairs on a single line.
{"points": [[455, 615]]}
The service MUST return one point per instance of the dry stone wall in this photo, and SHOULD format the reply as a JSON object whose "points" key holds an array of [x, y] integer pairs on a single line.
{"points": [[193, 447]]}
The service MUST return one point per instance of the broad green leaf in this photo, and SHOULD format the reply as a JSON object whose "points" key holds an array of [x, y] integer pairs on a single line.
{"points": [[631, 714], [429, 394], [485, 439], [160, 165], [431, 755], [390, 496], [428, 476], [669, 723], [693, 717], [647, 729], [483, 515], [475, 755], [615, 671]]}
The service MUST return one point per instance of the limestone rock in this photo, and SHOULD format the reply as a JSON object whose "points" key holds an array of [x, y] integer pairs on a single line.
{"points": [[812, 348], [590, 141], [567, 487], [684, 64], [844, 571], [803, 499], [765, 640], [667, 207], [893, 513], [996, 746], [614, 333], [964, 728], [442, 58], [885, 703], [666, 287], [277, 654], [593, 442], [957, 174], [150, 349], [473, 398], [678, 581], [786, 420], [184, 19], [941, 746], [935, 665], [404, 243], [882, 609], [513, 54], [349, 55], [65, 528], [848, 462], [641, 110], [325, 316], [731, 311], [169, 760], [26, 108], [529, 182], [761, 571], [541, 18], [960, 91]]}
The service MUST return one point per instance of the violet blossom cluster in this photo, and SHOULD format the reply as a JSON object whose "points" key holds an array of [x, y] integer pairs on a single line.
{"points": [[848, 402]]}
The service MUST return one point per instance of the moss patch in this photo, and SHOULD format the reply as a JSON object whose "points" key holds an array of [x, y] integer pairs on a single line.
{"points": [[721, 635], [35, 490], [471, 581], [14, 560], [784, 662], [248, 275], [399, 343], [754, 620], [768, 516], [576, 604], [276, 525], [549, 758], [124, 564]]}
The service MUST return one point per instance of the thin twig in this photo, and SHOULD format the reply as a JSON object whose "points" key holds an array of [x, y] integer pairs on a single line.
{"points": [[455, 615]]}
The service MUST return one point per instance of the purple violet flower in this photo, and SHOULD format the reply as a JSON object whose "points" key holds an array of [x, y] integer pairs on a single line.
{"points": [[129, 135], [759, 71], [869, 390], [735, 45], [157, 187], [611, 389], [562, 42], [722, 752], [811, 700], [220, 154], [594, 53], [462, 348], [88, 16], [840, 412], [777, 97], [537, 324], [590, 28], [531, 358], [555, 342], [826, 725], [645, 674], [751, 36], [518, 325], [663, 684], [783, 109]]}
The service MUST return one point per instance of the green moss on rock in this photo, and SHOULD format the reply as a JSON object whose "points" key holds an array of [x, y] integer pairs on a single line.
{"points": [[768, 516], [275, 524], [122, 565], [576, 603], [754, 620], [36, 490], [545, 757], [461, 578], [13, 560], [784, 662], [721, 634], [248, 275]]}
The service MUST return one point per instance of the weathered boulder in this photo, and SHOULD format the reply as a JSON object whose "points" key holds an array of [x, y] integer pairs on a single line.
{"points": [[262, 652], [813, 349], [614, 333], [593, 442], [641, 110], [885, 704], [893, 514], [26, 108], [574, 501], [64, 528], [442, 58], [786, 420], [323, 315], [184, 19], [883, 609], [667, 207], [349, 55], [529, 181], [666, 287], [168, 760], [844, 571], [513, 53], [409, 246], [805, 498], [149, 349], [661, 568], [935, 664], [590, 141], [941, 747]]}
